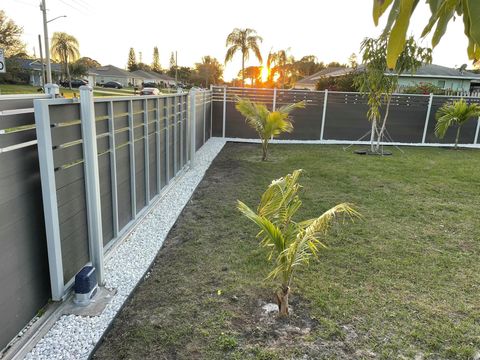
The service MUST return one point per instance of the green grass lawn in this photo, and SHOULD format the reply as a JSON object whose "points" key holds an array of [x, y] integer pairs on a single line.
{"points": [[404, 282]]}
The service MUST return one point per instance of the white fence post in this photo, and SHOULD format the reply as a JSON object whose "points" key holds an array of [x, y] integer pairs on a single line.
{"points": [[224, 109], [92, 182], [324, 114], [49, 195], [193, 115], [52, 89], [204, 114], [427, 118]]}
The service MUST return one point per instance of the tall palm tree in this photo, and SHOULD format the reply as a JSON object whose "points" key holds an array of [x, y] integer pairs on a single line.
{"points": [[281, 63], [455, 113], [64, 48], [243, 40]]}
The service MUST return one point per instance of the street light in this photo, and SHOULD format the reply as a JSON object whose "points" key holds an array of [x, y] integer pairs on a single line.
{"points": [[43, 8], [58, 17]]}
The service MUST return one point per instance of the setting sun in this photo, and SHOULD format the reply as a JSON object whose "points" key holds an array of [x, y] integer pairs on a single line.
{"points": [[265, 72]]}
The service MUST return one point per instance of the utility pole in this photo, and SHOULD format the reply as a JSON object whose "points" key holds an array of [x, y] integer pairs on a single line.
{"points": [[176, 69], [43, 8], [42, 78]]}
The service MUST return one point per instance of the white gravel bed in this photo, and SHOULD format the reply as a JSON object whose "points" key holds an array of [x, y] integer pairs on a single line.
{"points": [[74, 337]]}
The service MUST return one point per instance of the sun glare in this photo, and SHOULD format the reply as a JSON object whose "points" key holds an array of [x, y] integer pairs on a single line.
{"points": [[265, 73]]}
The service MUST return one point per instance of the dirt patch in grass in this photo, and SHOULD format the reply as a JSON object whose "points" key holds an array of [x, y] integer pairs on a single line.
{"points": [[402, 283]]}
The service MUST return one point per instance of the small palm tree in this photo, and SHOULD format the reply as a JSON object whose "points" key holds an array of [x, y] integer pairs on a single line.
{"points": [[64, 48], [454, 113], [243, 40], [267, 124], [291, 243]]}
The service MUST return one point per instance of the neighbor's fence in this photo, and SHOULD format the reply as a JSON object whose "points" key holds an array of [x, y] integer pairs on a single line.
{"points": [[340, 117], [103, 162]]}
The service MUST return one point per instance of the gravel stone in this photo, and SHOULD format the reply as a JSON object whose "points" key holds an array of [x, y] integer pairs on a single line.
{"points": [[74, 337]]}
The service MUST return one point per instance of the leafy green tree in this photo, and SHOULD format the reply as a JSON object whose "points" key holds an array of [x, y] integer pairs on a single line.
{"points": [[208, 72], [156, 61], [291, 243], [335, 64], [132, 60], [442, 12], [89, 63], [379, 83], [65, 48], [267, 124], [253, 73], [243, 41], [143, 66], [10, 36], [307, 65], [455, 113], [16, 73], [78, 69]]}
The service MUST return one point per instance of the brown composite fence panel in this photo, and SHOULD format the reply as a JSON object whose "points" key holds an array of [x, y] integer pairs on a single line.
{"points": [[24, 277], [341, 118]]}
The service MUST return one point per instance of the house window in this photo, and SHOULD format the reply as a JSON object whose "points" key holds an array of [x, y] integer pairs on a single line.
{"points": [[441, 84]]}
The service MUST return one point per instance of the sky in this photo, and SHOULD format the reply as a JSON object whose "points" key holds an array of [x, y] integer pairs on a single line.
{"points": [[330, 30]]}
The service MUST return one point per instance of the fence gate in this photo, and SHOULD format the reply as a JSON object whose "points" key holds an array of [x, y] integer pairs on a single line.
{"points": [[103, 163]]}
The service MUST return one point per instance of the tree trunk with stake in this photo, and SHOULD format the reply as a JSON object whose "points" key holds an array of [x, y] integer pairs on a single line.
{"points": [[372, 135], [382, 130]]}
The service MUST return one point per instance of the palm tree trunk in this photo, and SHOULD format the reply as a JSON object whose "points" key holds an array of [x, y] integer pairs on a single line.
{"points": [[282, 300], [264, 149], [457, 137], [243, 70], [68, 75]]}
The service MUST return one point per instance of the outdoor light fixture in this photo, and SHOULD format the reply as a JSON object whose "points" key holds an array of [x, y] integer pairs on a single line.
{"points": [[85, 286]]}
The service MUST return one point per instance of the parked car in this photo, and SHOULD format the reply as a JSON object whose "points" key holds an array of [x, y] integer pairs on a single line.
{"points": [[113, 85], [76, 83], [150, 91]]}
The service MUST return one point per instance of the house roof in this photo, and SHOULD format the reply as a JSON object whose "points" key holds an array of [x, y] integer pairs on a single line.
{"points": [[327, 72], [110, 70], [439, 71], [34, 64], [426, 70], [151, 75]]}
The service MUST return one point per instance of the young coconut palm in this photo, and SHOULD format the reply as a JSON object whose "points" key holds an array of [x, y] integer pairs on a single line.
{"points": [[454, 113], [292, 243], [267, 124]]}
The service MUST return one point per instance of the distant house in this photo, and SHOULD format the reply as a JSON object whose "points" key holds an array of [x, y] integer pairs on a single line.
{"points": [[446, 78], [104, 74], [310, 82], [152, 77], [34, 69]]}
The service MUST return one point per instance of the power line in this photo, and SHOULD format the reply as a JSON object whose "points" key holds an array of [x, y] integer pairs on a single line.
{"points": [[73, 7], [83, 4]]}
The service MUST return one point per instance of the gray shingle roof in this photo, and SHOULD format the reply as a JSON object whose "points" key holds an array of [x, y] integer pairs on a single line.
{"points": [[33, 64], [426, 70], [110, 70]]}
